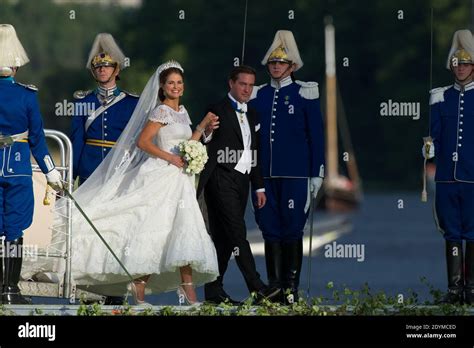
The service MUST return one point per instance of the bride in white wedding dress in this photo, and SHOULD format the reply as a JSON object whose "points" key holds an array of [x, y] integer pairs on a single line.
{"points": [[144, 204]]}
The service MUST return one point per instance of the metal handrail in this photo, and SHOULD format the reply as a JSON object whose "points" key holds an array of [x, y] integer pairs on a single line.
{"points": [[65, 168]]}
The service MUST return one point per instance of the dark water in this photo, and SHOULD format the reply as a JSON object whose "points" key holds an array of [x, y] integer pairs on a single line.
{"points": [[401, 244]]}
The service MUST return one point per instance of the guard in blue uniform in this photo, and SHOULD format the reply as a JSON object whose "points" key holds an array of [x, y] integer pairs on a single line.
{"points": [[21, 133], [102, 114], [452, 130], [291, 143]]}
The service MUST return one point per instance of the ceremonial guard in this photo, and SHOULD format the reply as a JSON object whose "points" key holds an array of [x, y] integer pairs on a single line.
{"points": [[102, 114], [21, 133], [291, 142], [452, 130]]}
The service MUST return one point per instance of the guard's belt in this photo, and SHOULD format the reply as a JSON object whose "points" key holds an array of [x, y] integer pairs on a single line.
{"points": [[97, 142], [8, 140]]}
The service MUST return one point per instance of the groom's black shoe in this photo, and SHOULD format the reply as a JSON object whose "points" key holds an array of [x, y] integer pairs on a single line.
{"points": [[221, 297], [267, 292], [214, 293], [114, 300]]}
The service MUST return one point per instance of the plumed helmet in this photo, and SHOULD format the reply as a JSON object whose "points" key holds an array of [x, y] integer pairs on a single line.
{"points": [[12, 53], [283, 49], [462, 49], [105, 52]]}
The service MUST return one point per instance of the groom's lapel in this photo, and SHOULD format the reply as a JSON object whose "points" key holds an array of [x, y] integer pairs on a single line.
{"points": [[230, 114]]}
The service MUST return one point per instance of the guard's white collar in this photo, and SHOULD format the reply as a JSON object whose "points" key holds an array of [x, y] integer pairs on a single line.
{"points": [[282, 83], [467, 87]]}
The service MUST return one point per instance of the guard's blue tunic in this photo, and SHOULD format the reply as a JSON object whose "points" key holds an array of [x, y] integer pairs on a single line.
{"points": [[452, 129], [291, 144], [19, 112], [91, 143]]}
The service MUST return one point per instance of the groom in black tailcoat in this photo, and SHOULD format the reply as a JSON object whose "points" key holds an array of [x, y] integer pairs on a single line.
{"points": [[232, 165]]}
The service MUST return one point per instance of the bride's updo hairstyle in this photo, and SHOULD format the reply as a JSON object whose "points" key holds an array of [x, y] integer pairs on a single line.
{"points": [[164, 76]]}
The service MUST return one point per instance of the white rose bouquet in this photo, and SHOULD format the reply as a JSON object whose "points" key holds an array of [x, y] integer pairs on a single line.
{"points": [[195, 155]]}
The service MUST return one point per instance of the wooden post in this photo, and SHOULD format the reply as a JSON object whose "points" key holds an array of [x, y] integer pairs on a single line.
{"points": [[331, 106]]}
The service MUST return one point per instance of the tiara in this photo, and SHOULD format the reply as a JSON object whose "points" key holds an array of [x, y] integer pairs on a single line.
{"points": [[169, 64]]}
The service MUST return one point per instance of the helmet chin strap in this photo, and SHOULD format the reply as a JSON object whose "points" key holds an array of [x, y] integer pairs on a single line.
{"points": [[110, 78], [465, 81], [284, 72], [8, 71]]}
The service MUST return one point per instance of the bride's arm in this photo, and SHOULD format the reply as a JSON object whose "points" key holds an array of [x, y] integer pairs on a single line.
{"points": [[209, 120], [145, 142]]}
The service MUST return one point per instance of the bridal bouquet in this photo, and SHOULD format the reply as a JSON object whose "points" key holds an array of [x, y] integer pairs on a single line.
{"points": [[195, 155]]}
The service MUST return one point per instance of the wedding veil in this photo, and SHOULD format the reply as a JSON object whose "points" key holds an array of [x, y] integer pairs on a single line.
{"points": [[104, 183], [107, 182]]}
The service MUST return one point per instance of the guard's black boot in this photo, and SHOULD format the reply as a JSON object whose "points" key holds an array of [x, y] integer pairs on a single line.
{"points": [[469, 271], [13, 258], [273, 260], [454, 261], [292, 259]]}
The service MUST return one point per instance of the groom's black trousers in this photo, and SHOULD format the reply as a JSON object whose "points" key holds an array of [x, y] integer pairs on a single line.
{"points": [[226, 195]]}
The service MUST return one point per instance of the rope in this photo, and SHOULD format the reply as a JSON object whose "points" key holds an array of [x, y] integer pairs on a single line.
{"points": [[97, 232], [245, 31]]}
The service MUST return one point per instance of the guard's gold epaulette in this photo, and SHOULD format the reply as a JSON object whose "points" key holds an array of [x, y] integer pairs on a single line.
{"points": [[308, 90], [29, 86], [437, 94], [255, 90], [131, 94], [81, 94]]}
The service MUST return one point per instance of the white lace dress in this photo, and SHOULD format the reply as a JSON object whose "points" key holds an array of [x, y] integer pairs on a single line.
{"points": [[154, 227]]}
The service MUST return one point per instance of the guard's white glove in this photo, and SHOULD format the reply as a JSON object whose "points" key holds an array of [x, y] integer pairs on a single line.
{"points": [[54, 180], [315, 185], [430, 154]]}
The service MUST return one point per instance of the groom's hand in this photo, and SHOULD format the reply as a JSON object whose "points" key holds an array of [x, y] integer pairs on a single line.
{"points": [[212, 124], [261, 199]]}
